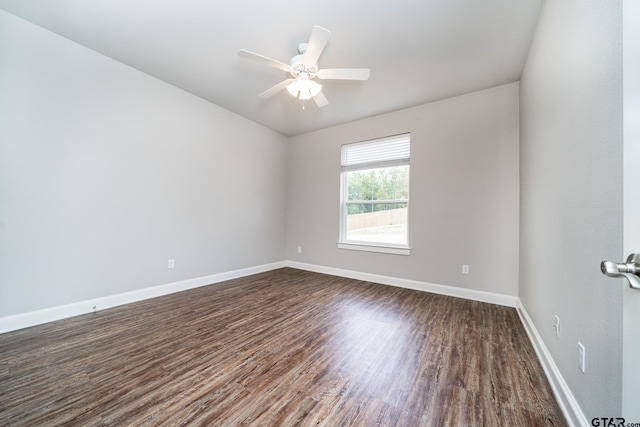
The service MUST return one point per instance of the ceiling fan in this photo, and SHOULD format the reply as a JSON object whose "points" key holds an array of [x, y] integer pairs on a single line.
{"points": [[304, 69]]}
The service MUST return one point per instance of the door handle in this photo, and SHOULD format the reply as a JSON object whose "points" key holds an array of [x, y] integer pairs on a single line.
{"points": [[630, 270]]}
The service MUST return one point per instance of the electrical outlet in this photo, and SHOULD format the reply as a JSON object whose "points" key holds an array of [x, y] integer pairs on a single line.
{"points": [[299, 249], [171, 263], [465, 269], [581, 357], [556, 325]]}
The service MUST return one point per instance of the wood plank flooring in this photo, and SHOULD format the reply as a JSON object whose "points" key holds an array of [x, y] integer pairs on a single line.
{"points": [[282, 348]]}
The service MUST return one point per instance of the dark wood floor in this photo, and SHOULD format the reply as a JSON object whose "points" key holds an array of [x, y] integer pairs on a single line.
{"points": [[282, 348]]}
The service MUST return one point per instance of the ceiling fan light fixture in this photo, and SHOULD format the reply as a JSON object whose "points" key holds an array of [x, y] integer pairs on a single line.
{"points": [[304, 88], [314, 87], [293, 88]]}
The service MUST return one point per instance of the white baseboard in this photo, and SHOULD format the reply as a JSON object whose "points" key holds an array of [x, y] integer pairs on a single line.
{"points": [[470, 294], [568, 404], [25, 320]]}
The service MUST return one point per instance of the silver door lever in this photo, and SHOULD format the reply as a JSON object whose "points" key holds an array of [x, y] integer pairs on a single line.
{"points": [[629, 270]]}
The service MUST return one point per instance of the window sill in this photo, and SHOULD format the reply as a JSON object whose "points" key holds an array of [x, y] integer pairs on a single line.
{"points": [[394, 250]]}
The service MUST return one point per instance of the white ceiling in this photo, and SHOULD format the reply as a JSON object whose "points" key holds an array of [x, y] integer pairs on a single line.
{"points": [[418, 50]]}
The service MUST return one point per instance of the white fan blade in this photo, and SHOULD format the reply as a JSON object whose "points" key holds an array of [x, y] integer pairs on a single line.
{"points": [[320, 99], [344, 74], [263, 59], [317, 42], [277, 88]]}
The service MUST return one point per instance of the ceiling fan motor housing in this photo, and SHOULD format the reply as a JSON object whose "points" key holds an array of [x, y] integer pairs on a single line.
{"points": [[297, 66]]}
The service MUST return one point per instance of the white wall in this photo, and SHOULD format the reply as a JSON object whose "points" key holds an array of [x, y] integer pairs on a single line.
{"points": [[106, 173], [464, 193], [571, 190]]}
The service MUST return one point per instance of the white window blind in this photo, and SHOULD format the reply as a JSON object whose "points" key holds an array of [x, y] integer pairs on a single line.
{"points": [[378, 153]]}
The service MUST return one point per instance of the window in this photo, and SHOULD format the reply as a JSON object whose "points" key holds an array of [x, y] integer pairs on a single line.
{"points": [[375, 195]]}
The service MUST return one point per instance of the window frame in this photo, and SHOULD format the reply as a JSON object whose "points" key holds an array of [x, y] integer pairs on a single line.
{"points": [[379, 247]]}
